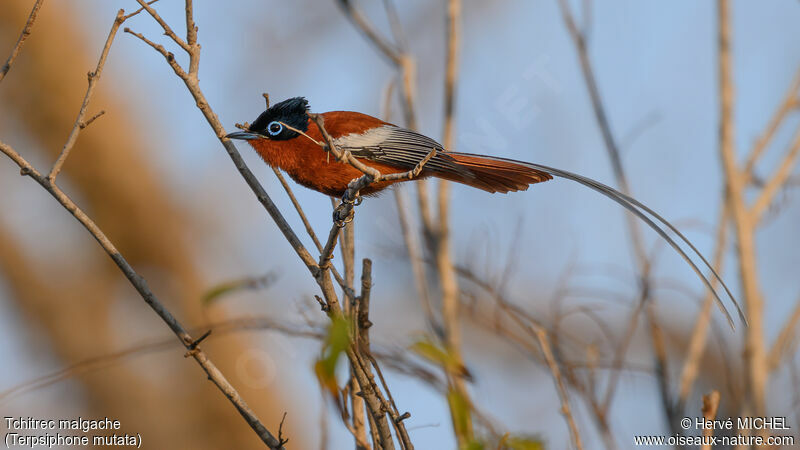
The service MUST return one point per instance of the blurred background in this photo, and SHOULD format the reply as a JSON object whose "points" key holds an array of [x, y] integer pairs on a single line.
{"points": [[155, 178]]}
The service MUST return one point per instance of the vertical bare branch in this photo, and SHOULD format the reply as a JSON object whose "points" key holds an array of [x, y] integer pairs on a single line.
{"points": [[444, 264], [94, 76], [22, 37], [785, 337], [755, 356], [710, 406], [697, 342], [415, 259], [547, 351], [579, 40]]}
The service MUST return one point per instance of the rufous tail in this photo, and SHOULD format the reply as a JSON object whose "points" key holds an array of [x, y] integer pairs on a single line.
{"points": [[494, 174]]}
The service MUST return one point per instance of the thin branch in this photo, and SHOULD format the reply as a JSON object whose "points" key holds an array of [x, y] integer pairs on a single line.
{"points": [[697, 342], [547, 351], [363, 347], [211, 117], [298, 208], [755, 357], [579, 39], [448, 282], [89, 121], [191, 42], [777, 180], [167, 30], [386, 48], [138, 10], [415, 259], [785, 337], [306, 223], [790, 102], [371, 394], [26, 31], [139, 283], [710, 406], [93, 78]]}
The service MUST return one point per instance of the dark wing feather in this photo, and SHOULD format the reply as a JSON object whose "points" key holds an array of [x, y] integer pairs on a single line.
{"points": [[405, 148]]}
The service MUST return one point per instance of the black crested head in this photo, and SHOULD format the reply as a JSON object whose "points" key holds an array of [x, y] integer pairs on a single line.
{"points": [[271, 123]]}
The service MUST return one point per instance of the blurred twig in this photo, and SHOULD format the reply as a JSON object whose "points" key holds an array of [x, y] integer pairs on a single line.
{"points": [[790, 102], [441, 243], [777, 180], [710, 406], [643, 263], [320, 270], [48, 183], [697, 343], [547, 351], [744, 222], [26, 31], [780, 348]]}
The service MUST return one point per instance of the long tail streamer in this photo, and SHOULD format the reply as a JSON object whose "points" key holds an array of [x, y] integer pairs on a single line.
{"points": [[647, 215]]}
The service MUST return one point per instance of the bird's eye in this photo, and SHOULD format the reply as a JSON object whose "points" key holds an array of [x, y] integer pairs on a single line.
{"points": [[274, 128]]}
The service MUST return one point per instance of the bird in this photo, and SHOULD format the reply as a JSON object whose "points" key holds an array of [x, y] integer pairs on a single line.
{"points": [[287, 138]]}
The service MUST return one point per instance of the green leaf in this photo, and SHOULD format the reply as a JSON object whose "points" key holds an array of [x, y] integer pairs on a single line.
{"points": [[474, 445], [228, 287], [336, 342], [439, 356], [460, 410], [519, 443]]}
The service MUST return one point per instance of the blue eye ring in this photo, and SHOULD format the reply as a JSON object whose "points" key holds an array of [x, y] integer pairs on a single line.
{"points": [[274, 128]]}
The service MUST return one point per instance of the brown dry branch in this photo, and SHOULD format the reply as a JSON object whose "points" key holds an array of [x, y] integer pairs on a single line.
{"points": [[697, 343], [547, 351], [441, 243], [579, 40], [359, 315], [671, 407], [297, 207], [306, 223], [415, 259], [26, 31], [72, 306], [789, 103], [643, 263], [709, 410], [700, 331], [137, 281], [372, 395], [93, 76], [777, 180], [405, 66], [536, 341], [399, 361], [437, 232], [784, 342], [744, 223]]}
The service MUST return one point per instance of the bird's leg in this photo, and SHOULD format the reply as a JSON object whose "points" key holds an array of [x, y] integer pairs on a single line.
{"points": [[343, 214]]}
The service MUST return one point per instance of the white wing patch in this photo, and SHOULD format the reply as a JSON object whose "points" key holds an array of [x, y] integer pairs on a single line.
{"points": [[371, 138]]}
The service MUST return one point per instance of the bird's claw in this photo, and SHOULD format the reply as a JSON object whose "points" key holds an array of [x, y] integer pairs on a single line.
{"points": [[355, 201], [342, 218]]}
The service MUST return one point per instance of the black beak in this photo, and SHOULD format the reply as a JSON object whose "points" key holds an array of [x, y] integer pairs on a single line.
{"points": [[244, 135]]}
